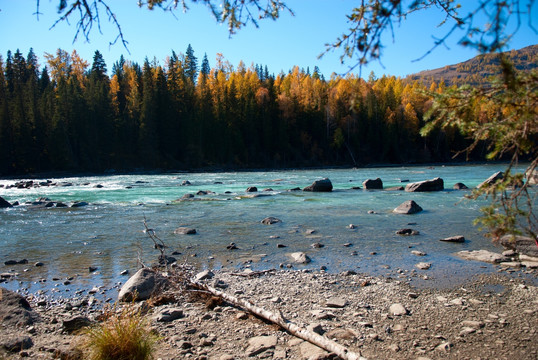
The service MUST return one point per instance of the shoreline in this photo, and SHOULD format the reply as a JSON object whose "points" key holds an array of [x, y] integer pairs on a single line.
{"points": [[490, 316], [217, 170]]}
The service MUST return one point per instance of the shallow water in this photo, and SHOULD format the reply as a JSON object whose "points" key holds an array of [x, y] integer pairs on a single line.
{"points": [[108, 233]]}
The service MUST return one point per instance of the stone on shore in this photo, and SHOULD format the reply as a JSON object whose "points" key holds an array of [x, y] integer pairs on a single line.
{"points": [[260, 344], [168, 315], [492, 179], [423, 265], [15, 309], [397, 310], [323, 185], [454, 239], [336, 302], [75, 324], [204, 275], [532, 177], [4, 203], [436, 184], [409, 207], [17, 344], [141, 285], [481, 255], [521, 244], [373, 184], [300, 258]]}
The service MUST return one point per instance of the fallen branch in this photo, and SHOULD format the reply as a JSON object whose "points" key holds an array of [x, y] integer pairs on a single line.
{"points": [[254, 273], [292, 328]]}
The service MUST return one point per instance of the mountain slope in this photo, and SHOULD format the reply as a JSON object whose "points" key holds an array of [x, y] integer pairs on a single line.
{"points": [[477, 70]]}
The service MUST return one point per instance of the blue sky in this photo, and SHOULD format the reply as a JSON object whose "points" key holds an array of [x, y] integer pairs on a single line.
{"points": [[280, 45]]}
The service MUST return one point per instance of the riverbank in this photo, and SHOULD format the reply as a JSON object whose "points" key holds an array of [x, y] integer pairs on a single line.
{"points": [[489, 316]]}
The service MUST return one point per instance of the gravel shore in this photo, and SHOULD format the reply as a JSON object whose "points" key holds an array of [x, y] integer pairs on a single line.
{"points": [[492, 316]]}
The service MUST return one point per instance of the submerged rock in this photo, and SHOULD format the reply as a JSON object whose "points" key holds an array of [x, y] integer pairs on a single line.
{"points": [[407, 232], [455, 239], [436, 184], [409, 207], [481, 255], [270, 220], [185, 231], [323, 185]]}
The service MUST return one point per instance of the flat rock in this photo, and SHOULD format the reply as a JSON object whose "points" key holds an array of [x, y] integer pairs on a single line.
{"points": [[341, 334], [418, 253], [259, 344], [15, 310], [407, 232], [436, 184], [481, 255], [397, 310], [300, 258], [141, 285], [473, 324], [409, 207], [336, 302], [167, 315], [454, 239], [204, 275], [311, 351]]}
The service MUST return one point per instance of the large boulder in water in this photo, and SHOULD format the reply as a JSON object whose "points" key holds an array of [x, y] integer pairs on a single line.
{"points": [[436, 184], [323, 185], [15, 310], [141, 285], [4, 203], [521, 244], [408, 207], [499, 175], [373, 184]]}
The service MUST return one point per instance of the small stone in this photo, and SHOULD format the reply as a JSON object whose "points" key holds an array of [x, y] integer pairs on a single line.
{"points": [[397, 310], [300, 258], [407, 232], [423, 265], [454, 239], [241, 316], [204, 275], [17, 344], [445, 346], [394, 347], [185, 231], [418, 253], [75, 324], [168, 315], [270, 220], [316, 328]]}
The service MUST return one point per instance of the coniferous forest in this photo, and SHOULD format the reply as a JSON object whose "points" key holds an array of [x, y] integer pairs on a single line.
{"points": [[71, 114]]}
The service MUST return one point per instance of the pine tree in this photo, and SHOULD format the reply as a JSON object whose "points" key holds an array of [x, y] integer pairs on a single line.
{"points": [[191, 64]]}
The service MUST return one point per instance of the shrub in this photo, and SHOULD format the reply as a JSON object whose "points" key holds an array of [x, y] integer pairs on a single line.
{"points": [[121, 336]]}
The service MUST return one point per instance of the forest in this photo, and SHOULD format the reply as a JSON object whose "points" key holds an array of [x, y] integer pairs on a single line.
{"points": [[73, 115]]}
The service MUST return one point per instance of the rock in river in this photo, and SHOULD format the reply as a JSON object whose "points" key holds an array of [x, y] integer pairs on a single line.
{"points": [[436, 184], [270, 220], [185, 231], [455, 239], [408, 207], [4, 203], [323, 185], [300, 258], [373, 184]]}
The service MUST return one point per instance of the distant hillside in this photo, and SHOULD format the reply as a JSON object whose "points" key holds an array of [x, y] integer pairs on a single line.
{"points": [[477, 70]]}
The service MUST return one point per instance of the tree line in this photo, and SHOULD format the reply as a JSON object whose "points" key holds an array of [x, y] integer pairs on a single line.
{"points": [[70, 115]]}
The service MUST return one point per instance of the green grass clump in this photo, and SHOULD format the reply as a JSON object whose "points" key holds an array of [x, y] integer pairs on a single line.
{"points": [[123, 336]]}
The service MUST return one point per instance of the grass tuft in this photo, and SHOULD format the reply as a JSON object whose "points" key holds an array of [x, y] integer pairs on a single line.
{"points": [[121, 336]]}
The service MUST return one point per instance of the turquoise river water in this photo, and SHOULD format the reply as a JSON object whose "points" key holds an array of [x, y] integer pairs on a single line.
{"points": [[108, 233]]}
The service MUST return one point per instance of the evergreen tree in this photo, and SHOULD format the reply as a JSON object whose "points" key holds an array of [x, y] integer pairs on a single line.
{"points": [[191, 64]]}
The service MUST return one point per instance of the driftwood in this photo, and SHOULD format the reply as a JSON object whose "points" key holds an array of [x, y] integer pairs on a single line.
{"points": [[292, 328], [254, 273]]}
